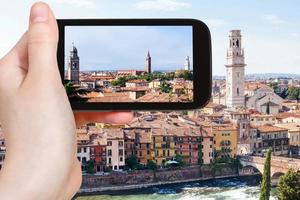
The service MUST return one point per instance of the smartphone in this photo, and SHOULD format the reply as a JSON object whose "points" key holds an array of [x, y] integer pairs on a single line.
{"points": [[135, 64]]}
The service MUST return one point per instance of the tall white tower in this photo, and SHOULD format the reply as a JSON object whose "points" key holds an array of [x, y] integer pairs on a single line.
{"points": [[235, 71], [187, 64]]}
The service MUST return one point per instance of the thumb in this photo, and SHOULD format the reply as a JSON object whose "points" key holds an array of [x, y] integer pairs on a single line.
{"points": [[42, 43]]}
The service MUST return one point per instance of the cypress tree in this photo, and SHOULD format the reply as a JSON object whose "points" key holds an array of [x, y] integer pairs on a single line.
{"points": [[265, 185]]}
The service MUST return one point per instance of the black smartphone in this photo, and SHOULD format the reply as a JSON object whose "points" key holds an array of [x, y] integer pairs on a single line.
{"points": [[135, 64]]}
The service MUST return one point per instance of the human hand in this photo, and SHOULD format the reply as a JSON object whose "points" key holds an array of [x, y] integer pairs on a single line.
{"points": [[36, 117]]}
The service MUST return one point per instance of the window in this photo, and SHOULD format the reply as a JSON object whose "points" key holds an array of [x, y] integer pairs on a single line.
{"points": [[120, 143], [83, 159], [109, 160], [238, 91], [120, 152], [121, 159], [109, 152], [78, 150], [84, 149], [109, 143]]}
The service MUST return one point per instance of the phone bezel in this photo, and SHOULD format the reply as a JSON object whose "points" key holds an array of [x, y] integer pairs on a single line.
{"points": [[201, 63]]}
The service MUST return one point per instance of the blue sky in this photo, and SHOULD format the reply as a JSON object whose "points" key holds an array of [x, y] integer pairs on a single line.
{"points": [[125, 47], [270, 28]]}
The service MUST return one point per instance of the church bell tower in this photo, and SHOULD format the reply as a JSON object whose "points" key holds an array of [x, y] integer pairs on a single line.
{"points": [[73, 66], [148, 63], [235, 71]]}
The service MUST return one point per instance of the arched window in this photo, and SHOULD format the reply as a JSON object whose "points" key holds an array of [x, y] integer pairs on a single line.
{"points": [[237, 43]]}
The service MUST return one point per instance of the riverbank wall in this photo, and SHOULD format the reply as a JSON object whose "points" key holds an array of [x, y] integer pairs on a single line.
{"points": [[119, 181]]}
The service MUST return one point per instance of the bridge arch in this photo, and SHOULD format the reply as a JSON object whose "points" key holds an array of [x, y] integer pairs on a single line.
{"points": [[277, 175], [249, 170]]}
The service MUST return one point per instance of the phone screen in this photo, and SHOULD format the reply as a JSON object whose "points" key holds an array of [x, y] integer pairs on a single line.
{"points": [[129, 63]]}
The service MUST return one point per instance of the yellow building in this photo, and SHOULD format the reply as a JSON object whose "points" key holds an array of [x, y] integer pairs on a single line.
{"points": [[225, 140], [163, 146]]}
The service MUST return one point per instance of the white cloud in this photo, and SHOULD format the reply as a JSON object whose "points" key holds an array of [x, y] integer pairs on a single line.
{"points": [[78, 3], [273, 19], [162, 5]]}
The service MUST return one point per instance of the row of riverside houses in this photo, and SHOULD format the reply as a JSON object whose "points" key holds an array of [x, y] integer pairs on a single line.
{"points": [[155, 137], [257, 131], [159, 137]]}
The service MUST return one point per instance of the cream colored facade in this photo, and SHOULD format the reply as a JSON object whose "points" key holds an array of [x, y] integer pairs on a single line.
{"points": [[293, 132], [207, 149], [115, 152]]}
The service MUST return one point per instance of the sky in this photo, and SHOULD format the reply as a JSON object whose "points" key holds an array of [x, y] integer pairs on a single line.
{"points": [[270, 28], [126, 47]]}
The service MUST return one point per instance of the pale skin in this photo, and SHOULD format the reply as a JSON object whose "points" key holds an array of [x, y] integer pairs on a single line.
{"points": [[36, 117]]}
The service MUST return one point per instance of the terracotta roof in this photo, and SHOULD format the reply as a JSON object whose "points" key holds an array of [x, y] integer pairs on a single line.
{"points": [[135, 89], [261, 116], [270, 128], [112, 97], [114, 133], [254, 86], [290, 126], [287, 114]]}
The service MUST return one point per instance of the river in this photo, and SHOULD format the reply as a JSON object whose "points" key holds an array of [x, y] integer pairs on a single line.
{"points": [[244, 188]]}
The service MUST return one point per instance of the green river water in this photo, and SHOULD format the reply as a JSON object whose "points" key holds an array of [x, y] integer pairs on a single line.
{"points": [[245, 188]]}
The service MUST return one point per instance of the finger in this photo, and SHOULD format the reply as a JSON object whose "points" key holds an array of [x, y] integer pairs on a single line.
{"points": [[42, 43], [18, 55], [13, 68], [82, 118]]}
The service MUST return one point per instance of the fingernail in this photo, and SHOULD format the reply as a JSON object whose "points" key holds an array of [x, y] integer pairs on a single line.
{"points": [[39, 13]]}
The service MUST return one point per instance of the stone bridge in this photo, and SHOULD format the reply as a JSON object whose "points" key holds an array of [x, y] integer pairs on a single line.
{"points": [[279, 165]]}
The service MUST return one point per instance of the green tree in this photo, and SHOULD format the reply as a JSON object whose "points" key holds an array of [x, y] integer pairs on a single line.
{"points": [[265, 185], [90, 168], [151, 165], [75, 93], [289, 186], [274, 86], [132, 162], [179, 159], [293, 93], [185, 74], [166, 87]]}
